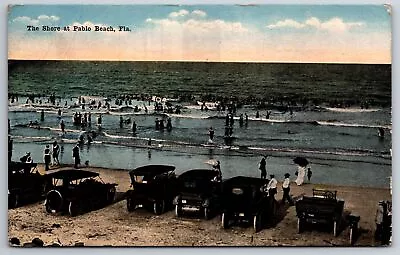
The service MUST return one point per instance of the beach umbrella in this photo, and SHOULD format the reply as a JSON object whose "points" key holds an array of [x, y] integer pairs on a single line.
{"points": [[212, 162], [301, 161]]}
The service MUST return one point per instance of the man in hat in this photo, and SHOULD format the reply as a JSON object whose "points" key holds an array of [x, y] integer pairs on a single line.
{"points": [[24, 159], [56, 152], [271, 187], [263, 167], [286, 190], [217, 168], [76, 156], [46, 158]]}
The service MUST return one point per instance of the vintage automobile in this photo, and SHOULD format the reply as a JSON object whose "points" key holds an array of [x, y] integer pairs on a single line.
{"points": [[198, 190], [76, 191], [322, 208], [153, 187], [25, 183], [383, 220], [243, 199]]}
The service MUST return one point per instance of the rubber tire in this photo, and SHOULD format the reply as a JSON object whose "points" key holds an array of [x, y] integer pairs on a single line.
{"points": [[300, 225], [178, 211], [13, 201], [159, 207], [207, 212], [50, 210], [257, 220], [130, 204], [224, 221], [74, 208]]}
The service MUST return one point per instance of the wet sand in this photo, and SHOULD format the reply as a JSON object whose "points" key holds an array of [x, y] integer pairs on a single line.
{"points": [[115, 226]]}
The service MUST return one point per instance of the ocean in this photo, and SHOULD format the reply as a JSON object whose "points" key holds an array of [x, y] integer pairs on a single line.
{"points": [[328, 113]]}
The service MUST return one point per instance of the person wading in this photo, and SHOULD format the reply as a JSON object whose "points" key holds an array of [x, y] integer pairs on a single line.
{"points": [[263, 167], [46, 158]]}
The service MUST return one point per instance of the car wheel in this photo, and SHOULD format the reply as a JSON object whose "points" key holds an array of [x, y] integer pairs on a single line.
{"points": [[178, 210], [300, 225], [225, 220], [257, 222], [159, 207], [207, 213], [130, 204], [13, 200], [74, 208], [54, 201]]}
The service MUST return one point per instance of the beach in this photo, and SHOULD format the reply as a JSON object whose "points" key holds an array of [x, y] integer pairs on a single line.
{"points": [[113, 225]]}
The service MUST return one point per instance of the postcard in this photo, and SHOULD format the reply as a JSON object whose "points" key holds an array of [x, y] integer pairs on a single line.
{"points": [[199, 125]]}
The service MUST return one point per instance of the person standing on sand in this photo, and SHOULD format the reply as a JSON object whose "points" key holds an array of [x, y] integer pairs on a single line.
{"points": [[271, 187], [286, 190], [56, 152], [301, 172], [76, 156], [263, 167], [46, 158]]}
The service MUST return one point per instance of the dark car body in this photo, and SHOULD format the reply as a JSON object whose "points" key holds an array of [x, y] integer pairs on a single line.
{"points": [[321, 208], [198, 190], [153, 186], [25, 183], [243, 200], [75, 191]]}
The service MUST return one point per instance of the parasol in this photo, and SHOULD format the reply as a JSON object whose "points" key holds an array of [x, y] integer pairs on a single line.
{"points": [[301, 161]]}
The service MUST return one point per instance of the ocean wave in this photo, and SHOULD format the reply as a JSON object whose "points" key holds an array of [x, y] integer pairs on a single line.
{"points": [[341, 124], [351, 110]]}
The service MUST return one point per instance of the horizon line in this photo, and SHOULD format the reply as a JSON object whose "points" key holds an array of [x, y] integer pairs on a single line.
{"points": [[206, 61]]}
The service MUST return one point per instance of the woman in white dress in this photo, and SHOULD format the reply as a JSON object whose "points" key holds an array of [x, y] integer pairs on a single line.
{"points": [[300, 175]]}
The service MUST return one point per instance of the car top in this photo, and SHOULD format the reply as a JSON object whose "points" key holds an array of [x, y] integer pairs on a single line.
{"points": [[241, 181], [151, 170], [198, 174], [72, 174]]}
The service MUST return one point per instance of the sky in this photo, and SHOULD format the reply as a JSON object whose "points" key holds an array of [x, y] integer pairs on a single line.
{"points": [[227, 33]]}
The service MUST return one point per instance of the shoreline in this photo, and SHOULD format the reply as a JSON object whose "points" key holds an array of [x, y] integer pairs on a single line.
{"points": [[115, 226]]}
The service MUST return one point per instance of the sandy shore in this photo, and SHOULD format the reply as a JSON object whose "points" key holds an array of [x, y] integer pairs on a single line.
{"points": [[115, 226]]}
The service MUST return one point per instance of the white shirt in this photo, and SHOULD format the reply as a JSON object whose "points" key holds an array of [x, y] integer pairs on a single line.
{"points": [[272, 184], [286, 183]]}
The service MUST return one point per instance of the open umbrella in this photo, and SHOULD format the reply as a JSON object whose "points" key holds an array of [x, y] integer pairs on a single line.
{"points": [[301, 161]]}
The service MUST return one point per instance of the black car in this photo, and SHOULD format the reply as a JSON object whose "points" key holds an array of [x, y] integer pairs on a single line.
{"points": [[243, 200], [76, 191], [153, 187], [25, 183], [198, 190], [322, 208]]}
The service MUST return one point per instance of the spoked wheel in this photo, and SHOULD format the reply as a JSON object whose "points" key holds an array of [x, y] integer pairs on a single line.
{"points": [[207, 212], [225, 220], [300, 225], [159, 207], [130, 204], [178, 210], [257, 222], [13, 200], [74, 208]]}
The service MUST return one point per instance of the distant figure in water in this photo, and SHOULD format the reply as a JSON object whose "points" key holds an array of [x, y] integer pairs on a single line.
{"points": [[246, 118], [134, 127], [169, 125], [257, 115], [157, 124], [121, 122], [211, 133], [42, 115], [62, 126], [381, 132], [268, 114], [263, 167], [241, 119], [59, 112]]}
